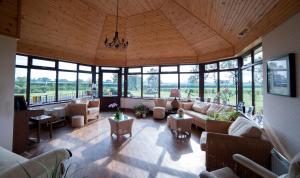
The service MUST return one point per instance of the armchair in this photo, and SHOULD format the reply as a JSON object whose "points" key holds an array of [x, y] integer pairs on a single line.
{"points": [[159, 110], [90, 110], [221, 145]]}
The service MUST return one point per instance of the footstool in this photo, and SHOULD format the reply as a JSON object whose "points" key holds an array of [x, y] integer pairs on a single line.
{"points": [[78, 121]]}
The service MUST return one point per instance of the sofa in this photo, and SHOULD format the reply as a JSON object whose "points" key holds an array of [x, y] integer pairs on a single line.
{"points": [[89, 108], [13, 165], [221, 140], [201, 111]]}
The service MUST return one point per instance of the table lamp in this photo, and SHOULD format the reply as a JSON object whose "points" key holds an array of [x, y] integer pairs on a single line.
{"points": [[175, 93]]}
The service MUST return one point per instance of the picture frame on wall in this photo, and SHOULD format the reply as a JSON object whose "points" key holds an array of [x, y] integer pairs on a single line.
{"points": [[281, 76]]}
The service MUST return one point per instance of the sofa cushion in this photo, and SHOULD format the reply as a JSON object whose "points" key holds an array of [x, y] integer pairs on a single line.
{"points": [[213, 109], [203, 139], [9, 159], [244, 127], [196, 115], [200, 107], [94, 110]]}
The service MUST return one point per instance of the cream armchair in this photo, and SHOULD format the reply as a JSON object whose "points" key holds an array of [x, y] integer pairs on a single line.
{"points": [[42, 166], [89, 109], [159, 110]]}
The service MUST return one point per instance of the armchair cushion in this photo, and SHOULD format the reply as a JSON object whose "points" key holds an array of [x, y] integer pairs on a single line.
{"points": [[94, 103], [201, 107], [94, 110], [244, 127]]}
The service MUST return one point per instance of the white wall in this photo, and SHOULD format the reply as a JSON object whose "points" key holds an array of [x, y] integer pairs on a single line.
{"points": [[282, 114], [7, 82]]}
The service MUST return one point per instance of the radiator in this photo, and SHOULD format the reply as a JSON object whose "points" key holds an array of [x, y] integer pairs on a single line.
{"points": [[279, 164]]}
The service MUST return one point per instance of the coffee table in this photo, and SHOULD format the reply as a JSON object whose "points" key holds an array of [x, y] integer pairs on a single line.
{"points": [[121, 126], [180, 126], [41, 120]]}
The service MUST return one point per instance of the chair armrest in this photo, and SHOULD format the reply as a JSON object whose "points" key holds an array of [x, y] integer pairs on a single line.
{"points": [[217, 126], [44, 165], [256, 168], [187, 106]]}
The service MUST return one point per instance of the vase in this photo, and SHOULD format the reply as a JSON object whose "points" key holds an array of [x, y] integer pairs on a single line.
{"points": [[180, 112], [144, 115]]}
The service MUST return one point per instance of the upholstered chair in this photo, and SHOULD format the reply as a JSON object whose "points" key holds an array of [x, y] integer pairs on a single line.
{"points": [[294, 169], [159, 110]]}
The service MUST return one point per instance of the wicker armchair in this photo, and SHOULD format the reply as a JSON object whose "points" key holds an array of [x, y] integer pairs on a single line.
{"points": [[90, 110], [159, 110], [220, 146]]}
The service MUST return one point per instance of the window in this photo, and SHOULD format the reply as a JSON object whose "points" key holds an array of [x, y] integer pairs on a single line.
{"points": [[85, 68], [189, 68], [42, 86], [134, 70], [43, 63], [21, 60], [230, 64], [67, 66], [21, 81], [209, 67], [247, 60], [258, 87], [134, 86], [96, 94], [84, 84], [167, 82], [66, 85], [153, 69], [247, 86], [150, 85], [258, 54], [228, 87], [189, 85], [169, 69], [210, 85], [123, 85], [110, 84]]}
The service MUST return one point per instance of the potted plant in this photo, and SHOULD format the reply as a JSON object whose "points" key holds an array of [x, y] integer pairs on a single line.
{"points": [[140, 110], [118, 114]]}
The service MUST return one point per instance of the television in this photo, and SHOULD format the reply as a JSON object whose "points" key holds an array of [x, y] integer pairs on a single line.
{"points": [[20, 103]]}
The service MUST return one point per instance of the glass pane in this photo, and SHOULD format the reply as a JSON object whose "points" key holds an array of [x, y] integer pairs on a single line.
{"points": [[42, 86], [247, 60], [43, 63], [211, 66], [123, 86], [228, 87], [153, 69], [150, 85], [110, 84], [259, 89], [97, 86], [20, 81], [85, 68], [66, 85], [228, 64], [67, 66], [169, 69], [134, 85], [189, 85], [134, 70], [167, 82], [189, 68], [109, 68], [247, 86], [210, 85], [21, 60], [258, 54], [84, 85]]}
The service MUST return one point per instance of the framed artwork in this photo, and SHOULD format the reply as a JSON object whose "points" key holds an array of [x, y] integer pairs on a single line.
{"points": [[281, 76]]}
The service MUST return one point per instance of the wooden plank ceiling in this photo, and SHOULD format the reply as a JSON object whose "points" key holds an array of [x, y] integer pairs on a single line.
{"points": [[158, 31]]}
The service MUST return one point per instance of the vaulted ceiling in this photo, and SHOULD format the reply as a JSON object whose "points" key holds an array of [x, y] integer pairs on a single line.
{"points": [[158, 31]]}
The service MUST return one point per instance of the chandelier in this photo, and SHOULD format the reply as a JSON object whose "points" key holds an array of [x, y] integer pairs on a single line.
{"points": [[116, 42]]}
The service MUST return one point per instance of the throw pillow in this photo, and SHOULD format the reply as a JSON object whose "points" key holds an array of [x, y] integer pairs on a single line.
{"points": [[213, 109], [244, 127], [201, 107]]}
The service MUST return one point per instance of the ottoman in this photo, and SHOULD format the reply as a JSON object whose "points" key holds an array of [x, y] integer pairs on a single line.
{"points": [[78, 121]]}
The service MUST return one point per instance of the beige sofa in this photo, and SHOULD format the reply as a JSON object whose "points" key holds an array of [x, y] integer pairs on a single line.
{"points": [[200, 111], [13, 165]]}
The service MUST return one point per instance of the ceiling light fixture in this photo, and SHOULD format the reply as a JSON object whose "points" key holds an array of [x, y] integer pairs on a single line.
{"points": [[116, 42]]}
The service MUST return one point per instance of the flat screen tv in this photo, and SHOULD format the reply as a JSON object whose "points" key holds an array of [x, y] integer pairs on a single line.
{"points": [[281, 76], [20, 103]]}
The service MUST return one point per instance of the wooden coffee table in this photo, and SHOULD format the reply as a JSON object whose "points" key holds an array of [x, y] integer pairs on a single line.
{"points": [[121, 126], [180, 126]]}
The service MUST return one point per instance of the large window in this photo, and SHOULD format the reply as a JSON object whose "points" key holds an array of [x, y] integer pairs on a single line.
{"points": [[110, 84], [66, 85], [247, 86], [259, 90], [150, 85], [167, 82], [228, 87], [42, 86], [21, 81], [134, 85], [84, 84], [210, 85]]}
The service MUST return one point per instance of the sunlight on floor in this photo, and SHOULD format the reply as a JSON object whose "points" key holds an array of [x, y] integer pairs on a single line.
{"points": [[126, 169]]}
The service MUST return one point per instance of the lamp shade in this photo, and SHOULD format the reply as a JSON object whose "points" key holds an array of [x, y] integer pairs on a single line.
{"points": [[175, 93]]}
